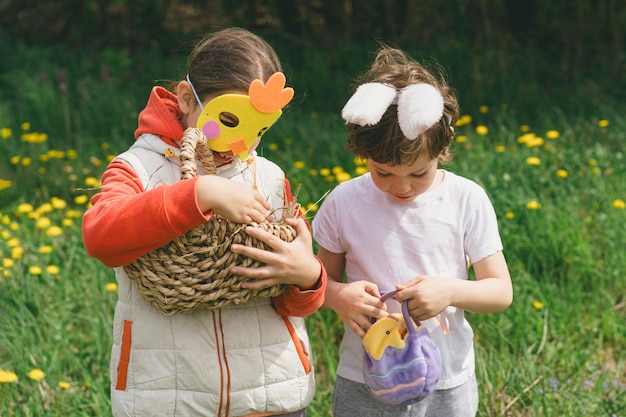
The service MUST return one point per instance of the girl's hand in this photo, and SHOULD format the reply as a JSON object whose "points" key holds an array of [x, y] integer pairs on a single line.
{"points": [[230, 199], [288, 262], [355, 303], [427, 296]]}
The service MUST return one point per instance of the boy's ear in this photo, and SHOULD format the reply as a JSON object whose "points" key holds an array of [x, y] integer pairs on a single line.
{"points": [[186, 98]]}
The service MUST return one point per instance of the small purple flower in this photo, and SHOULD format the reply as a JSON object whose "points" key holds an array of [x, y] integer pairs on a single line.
{"points": [[554, 383]]}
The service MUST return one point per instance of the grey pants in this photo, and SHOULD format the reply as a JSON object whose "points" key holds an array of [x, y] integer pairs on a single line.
{"points": [[352, 399]]}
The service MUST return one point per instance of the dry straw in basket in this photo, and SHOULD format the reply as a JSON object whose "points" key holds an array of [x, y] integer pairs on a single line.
{"points": [[192, 272]]}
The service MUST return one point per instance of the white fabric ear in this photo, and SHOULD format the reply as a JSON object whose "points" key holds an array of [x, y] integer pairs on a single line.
{"points": [[420, 106], [368, 104]]}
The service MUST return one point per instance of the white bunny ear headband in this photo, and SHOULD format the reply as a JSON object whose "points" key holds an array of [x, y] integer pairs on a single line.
{"points": [[420, 106]]}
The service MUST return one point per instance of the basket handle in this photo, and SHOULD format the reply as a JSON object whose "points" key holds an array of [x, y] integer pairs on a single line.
{"points": [[192, 142]]}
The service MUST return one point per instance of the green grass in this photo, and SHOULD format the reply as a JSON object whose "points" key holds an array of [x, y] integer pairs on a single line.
{"points": [[558, 350]]}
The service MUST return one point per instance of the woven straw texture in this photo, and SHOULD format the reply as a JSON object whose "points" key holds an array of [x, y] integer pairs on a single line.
{"points": [[192, 271]]}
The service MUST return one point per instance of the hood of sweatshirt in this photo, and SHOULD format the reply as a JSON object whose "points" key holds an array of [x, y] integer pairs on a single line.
{"points": [[161, 116]]}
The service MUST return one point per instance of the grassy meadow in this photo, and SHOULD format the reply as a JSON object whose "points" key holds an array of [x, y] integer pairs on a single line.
{"points": [[551, 159]]}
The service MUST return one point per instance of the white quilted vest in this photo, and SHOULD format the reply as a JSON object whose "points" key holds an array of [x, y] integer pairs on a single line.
{"points": [[238, 361]]}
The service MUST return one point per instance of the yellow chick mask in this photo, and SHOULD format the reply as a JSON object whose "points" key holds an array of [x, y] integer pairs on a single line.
{"points": [[236, 122]]}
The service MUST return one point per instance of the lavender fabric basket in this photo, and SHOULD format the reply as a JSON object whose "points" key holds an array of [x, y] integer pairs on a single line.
{"points": [[400, 375]]}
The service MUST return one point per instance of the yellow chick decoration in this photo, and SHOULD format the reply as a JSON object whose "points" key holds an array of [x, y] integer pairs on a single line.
{"points": [[388, 331], [236, 122]]}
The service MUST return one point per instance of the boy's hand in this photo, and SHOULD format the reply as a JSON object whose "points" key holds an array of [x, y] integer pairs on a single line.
{"points": [[356, 303]]}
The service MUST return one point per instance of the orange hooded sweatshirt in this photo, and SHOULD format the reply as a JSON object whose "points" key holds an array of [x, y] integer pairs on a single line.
{"points": [[126, 222]]}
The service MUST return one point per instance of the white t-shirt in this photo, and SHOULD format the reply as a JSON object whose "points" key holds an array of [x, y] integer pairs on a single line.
{"points": [[389, 243]]}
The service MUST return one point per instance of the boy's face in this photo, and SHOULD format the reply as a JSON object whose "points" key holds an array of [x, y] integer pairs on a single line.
{"points": [[403, 183]]}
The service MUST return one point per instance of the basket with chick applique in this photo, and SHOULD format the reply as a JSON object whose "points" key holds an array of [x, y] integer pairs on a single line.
{"points": [[192, 272], [401, 363]]}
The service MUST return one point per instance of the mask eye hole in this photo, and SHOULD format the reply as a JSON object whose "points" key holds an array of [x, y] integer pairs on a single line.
{"points": [[229, 119], [262, 131]]}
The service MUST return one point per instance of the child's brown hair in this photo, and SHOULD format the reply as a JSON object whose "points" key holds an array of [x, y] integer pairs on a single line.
{"points": [[212, 62], [384, 142]]}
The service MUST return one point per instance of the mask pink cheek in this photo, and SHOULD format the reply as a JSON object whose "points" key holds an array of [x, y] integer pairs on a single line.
{"points": [[211, 129]]}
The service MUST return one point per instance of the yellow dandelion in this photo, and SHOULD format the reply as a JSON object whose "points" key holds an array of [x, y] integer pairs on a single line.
{"points": [[15, 160], [464, 120], [524, 128], [553, 134], [526, 137], [562, 173], [111, 286], [299, 164], [324, 172], [72, 154], [104, 146], [500, 148], [534, 142], [538, 305], [13, 243], [64, 384], [5, 219], [58, 203], [619, 203], [17, 252], [35, 270], [81, 199], [533, 160], [603, 123], [44, 250], [337, 169], [361, 170], [461, 139], [482, 130], [592, 162], [95, 161], [595, 170], [14, 226], [360, 161], [26, 161], [74, 214], [52, 269], [273, 146], [312, 207], [67, 222], [5, 235], [25, 126], [533, 205], [6, 133], [4, 184], [7, 377], [509, 215], [289, 141], [43, 223], [313, 172], [483, 109], [92, 182], [8, 263], [342, 176], [54, 231], [36, 374], [44, 208]]}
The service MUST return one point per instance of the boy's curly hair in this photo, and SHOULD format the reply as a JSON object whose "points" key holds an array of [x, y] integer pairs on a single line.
{"points": [[384, 142]]}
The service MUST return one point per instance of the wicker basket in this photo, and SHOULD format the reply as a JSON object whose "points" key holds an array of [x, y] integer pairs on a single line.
{"points": [[192, 271]]}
